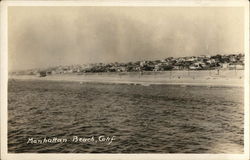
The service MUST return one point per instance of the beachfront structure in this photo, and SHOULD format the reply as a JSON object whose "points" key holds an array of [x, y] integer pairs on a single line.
{"points": [[224, 65], [236, 67], [42, 74]]}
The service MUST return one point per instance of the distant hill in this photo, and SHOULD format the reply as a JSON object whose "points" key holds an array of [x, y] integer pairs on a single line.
{"points": [[203, 62]]}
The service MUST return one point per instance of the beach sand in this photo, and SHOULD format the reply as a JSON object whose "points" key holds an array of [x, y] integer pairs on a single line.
{"points": [[197, 78]]}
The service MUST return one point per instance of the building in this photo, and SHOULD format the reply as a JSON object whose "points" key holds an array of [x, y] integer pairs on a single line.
{"points": [[42, 74], [224, 65]]}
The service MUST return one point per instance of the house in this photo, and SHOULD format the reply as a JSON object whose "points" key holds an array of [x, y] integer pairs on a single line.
{"points": [[195, 66], [178, 67], [232, 66], [232, 59], [142, 63], [239, 66], [211, 61], [242, 59], [121, 69], [224, 65], [201, 64], [112, 69], [191, 59], [157, 67]]}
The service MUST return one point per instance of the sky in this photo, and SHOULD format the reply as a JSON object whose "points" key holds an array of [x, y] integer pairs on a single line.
{"points": [[40, 37]]}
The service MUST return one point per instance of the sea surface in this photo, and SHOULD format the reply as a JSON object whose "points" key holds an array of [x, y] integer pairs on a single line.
{"points": [[141, 119]]}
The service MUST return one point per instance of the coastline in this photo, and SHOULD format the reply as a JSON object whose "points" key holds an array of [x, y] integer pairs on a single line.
{"points": [[195, 78]]}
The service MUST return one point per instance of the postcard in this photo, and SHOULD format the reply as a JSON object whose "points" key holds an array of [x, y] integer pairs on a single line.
{"points": [[125, 80]]}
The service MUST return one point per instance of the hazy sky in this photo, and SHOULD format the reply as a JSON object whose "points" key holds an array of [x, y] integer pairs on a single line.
{"points": [[50, 36]]}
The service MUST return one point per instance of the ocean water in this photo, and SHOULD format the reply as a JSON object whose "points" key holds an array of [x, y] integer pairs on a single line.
{"points": [[140, 119]]}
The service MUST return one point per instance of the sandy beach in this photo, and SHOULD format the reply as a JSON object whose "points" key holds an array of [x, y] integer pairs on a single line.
{"points": [[197, 78]]}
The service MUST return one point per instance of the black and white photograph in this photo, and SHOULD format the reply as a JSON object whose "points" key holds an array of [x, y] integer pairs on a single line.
{"points": [[125, 79]]}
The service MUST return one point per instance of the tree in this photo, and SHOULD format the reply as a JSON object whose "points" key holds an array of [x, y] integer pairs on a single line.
{"points": [[167, 67], [148, 67]]}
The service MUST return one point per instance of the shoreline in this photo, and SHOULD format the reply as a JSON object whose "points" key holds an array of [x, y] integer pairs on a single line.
{"points": [[148, 80]]}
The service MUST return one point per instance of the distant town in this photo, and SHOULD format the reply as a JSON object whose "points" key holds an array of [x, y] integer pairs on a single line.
{"points": [[203, 62]]}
